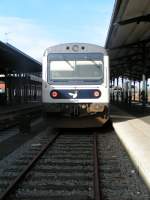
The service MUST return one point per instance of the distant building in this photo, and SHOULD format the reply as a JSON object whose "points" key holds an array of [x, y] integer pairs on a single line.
{"points": [[2, 87]]}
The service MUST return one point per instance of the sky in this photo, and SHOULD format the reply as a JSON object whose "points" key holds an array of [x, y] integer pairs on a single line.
{"points": [[34, 25]]}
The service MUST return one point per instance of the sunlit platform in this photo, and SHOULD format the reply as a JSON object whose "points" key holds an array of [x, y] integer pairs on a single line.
{"points": [[134, 133]]}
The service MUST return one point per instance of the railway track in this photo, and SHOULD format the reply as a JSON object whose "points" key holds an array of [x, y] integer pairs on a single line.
{"points": [[71, 165], [66, 167]]}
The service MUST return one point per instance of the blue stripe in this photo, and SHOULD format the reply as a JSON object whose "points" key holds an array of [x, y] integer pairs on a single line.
{"points": [[76, 94]]}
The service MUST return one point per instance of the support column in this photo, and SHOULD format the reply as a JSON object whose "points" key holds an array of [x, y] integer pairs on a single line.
{"points": [[6, 87], [134, 91], [117, 89], [122, 91], [130, 93], [143, 93], [113, 89], [146, 90], [139, 91]]}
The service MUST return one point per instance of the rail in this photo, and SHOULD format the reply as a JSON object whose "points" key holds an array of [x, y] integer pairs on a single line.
{"points": [[27, 168]]}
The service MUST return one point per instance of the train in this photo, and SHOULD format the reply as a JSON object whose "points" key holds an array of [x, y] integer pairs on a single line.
{"points": [[75, 84]]}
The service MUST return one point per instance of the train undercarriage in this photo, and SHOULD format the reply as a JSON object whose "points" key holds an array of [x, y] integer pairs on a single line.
{"points": [[76, 115]]}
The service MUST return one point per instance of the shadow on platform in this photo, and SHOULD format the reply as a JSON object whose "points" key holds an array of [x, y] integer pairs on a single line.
{"points": [[120, 112]]}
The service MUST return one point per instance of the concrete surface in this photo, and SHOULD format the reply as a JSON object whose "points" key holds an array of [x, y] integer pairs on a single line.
{"points": [[134, 133]]}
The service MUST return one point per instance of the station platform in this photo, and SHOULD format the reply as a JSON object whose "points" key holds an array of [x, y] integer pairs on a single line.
{"points": [[4, 110], [9, 115], [132, 125]]}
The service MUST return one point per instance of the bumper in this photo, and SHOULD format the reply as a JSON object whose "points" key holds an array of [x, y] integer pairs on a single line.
{"points": [[78, 110]]}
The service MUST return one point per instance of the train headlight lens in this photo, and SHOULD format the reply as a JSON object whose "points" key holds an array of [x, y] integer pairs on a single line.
{"points": [[97, 93], [54, 94]]}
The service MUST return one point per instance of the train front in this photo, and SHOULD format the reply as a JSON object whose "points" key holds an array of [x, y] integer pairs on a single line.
{"points": [[76, 89]]}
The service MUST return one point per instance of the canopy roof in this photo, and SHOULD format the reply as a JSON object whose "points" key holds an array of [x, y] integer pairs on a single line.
{"points": [[14, 60], [128, 39]]}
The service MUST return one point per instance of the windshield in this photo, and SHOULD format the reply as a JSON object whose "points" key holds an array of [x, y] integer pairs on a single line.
{"points": [[86, 70]]}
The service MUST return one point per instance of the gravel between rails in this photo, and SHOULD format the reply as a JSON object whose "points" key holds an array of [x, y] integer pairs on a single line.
{"points": [[119, 178], [15, 162]]}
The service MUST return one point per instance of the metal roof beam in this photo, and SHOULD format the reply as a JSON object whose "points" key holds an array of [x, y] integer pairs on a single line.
{"points": [[125, 65], [143, 18], [117, 7], [126, 56], [17, 60], [132, 45]]}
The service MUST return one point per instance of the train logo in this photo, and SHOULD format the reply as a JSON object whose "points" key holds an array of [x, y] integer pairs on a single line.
{"points": [[73, 95]]}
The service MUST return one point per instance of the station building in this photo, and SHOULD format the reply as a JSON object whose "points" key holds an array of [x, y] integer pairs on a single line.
{"points": [[128, 43], [20, 77]]}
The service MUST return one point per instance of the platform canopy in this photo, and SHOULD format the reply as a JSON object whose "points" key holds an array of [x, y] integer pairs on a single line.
{"points": [[12, 60], [128, 39]]}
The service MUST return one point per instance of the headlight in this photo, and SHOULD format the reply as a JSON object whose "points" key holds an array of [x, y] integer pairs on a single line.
{"points": [[97, 93]]}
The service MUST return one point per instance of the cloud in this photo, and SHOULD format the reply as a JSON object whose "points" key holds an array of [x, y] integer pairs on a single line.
{"points": [[33, 38], [26, 35]]}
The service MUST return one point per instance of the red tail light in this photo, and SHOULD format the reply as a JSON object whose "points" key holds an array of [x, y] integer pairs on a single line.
{"points": [[96, 93], [54, 94]]}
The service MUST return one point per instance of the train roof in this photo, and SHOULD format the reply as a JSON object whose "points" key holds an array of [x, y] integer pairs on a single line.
{"points": [[76, 48]]}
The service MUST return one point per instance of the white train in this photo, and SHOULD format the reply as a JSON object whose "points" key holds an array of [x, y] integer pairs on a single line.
{"points": [[75, 81]]}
